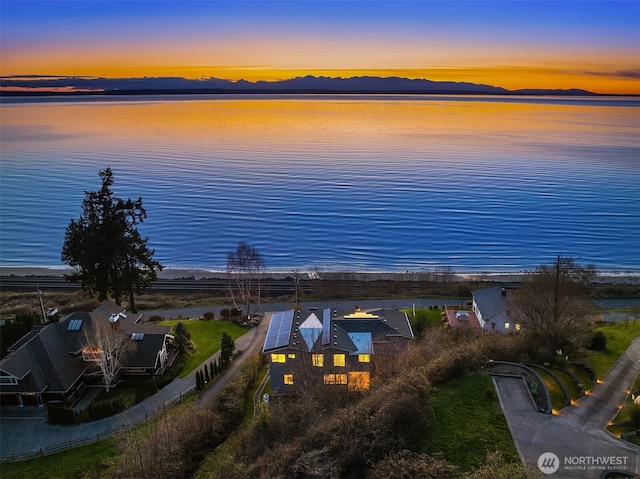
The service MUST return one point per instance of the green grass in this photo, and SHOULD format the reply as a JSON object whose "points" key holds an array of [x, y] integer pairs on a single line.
{"points": [[569, 382], [555, 391], [582, 375], [619, 336], [468, 423], [424, 319], [91, 460], [625, 415], [206, 335]]}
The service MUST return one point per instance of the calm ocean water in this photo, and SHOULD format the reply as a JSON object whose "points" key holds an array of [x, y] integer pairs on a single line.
{"points": [[358, 183]]}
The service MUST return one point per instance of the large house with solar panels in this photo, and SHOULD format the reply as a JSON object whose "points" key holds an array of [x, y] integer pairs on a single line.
{"points": [[52, 363], [329, 347]]}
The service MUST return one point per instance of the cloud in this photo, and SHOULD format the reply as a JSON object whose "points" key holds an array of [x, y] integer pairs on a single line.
{"points": [[633, 74]]}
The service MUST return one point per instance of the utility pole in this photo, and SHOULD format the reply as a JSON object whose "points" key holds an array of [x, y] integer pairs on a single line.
{"points": [[44, 315]]}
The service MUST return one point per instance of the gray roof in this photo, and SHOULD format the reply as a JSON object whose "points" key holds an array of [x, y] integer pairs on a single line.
{"points": [[492, 304], [51, 354], [145, 351], [381, 323]]}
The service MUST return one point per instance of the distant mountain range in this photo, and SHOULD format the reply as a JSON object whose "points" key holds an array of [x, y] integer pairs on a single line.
{"points": [[39, 84]]}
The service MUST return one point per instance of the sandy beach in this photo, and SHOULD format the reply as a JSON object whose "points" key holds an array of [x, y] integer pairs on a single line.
{"points": [[181, 273]]}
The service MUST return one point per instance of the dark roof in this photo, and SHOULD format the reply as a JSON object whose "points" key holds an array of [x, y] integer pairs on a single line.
{"points": [[144, 353], [380, 323], [48, 358]]}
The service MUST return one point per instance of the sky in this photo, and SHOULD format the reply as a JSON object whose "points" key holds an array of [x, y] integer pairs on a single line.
{"points": [[593, 45]]}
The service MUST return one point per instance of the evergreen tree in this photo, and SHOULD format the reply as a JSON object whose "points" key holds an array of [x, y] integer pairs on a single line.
{"points": [[207, 378], [227, 347], [104, 247]]}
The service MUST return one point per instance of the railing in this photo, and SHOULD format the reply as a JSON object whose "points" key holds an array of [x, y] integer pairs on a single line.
{"points": [[64, 445]]}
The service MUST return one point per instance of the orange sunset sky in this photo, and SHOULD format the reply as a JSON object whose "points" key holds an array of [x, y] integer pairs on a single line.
{"points": [[514, 44]]}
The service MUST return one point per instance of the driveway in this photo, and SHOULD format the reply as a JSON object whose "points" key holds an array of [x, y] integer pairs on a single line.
{"points": [[576, 435], [28, 433]]}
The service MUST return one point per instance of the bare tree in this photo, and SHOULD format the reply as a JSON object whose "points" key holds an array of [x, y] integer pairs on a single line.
{"points": [[107, 347], [553, 304], [245, 267]]}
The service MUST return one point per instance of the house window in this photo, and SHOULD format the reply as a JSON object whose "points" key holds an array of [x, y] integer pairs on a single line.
{"points": [[518, 326], [338, 359], [291, 355], [335, 379], [493, 325], [364, 358], [8, 380], [317, 360], [277, 358], [507, 325], [359, 381], [288, 378]]}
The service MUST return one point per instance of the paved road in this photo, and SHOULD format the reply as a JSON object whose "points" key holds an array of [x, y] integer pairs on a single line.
{"points": [[27, 432], [577, 433], [27, 435]]}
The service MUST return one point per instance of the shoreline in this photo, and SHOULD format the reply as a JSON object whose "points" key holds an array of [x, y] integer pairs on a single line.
{"points": [[615, 277]]}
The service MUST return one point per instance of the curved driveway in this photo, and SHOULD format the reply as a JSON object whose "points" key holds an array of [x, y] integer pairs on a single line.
{"points": [[576, 434]]}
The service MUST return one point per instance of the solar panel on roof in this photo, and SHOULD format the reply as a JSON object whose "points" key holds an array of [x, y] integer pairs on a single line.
{"points": [[326, 326], [279, 330], [74, 325]]}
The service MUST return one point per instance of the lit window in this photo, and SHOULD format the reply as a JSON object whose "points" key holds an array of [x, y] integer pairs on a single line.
{"points": [[364, 358], [518, 326], [291, 355], [507, 325], [288, 378], [277, 358], [317, 360], [335, 379], [338, 359], [359, 381]]}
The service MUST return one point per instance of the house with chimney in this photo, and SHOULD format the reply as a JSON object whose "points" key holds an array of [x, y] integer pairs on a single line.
{"points": [[54, 363], [489, 307], [338, 349]]}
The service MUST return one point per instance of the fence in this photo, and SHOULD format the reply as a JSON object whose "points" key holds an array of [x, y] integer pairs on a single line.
{"points": [[44, 451]]}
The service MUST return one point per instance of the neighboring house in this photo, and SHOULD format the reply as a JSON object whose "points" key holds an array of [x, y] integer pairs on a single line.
{"points": [[332, 348], [52, 364], [490, 308]]}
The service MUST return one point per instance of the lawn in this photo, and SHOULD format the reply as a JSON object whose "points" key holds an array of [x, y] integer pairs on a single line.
{"points": [[206, 336], [90, 460], [468, 423], [619, 336], [424, 319], [555, 391], [625, 414]]}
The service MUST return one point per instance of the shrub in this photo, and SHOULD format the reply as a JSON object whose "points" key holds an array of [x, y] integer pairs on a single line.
{"points": [[208, 316], [598, 341], [156, 318], [224, 314], [62, 415]]}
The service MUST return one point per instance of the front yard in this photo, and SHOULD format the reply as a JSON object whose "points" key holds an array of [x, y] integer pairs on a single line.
{"points": [[206, 337]]}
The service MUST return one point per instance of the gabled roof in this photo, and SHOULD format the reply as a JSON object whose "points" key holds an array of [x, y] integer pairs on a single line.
{"points": [[48, 357], [353, 332], [492, 304], [144, 353]]}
